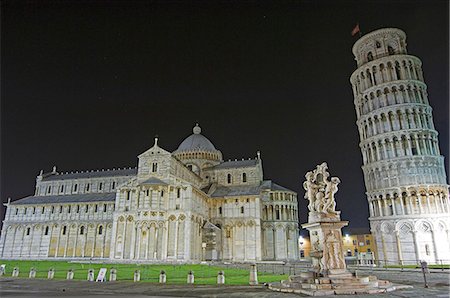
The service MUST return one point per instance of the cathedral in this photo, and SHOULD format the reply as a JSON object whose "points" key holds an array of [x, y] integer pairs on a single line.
{"points": [[188, 205]]}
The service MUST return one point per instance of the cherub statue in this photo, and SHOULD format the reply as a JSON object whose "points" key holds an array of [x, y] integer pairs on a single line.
{"points": [[330, 190], [311, 190]]}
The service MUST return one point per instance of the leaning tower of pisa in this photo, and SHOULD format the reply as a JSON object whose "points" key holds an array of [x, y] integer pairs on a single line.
{"points": [[403, 169]]}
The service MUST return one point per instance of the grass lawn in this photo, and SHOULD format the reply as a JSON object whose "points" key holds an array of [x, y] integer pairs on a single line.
{"points": [[176, 274]]}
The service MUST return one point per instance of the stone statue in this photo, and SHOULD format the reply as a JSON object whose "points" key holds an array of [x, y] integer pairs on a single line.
{"points": [[320, 190], [330, 190], [311, 190]]}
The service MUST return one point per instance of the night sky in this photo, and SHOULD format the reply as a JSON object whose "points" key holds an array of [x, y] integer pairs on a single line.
{"points": [[87, 85]]}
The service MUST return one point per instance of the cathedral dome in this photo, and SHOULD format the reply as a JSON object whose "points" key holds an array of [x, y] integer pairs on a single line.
{"points": [[196, 142], [197, 146]]}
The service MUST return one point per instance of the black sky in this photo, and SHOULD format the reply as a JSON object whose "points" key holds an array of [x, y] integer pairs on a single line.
{"points": [[88, 84]]}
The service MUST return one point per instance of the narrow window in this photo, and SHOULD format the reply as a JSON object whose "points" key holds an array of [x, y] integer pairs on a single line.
{"points": [[34, 210], [100, 230], [162, 193], [220, 210], [28, 231], [78, 208], [88, 186], [104, 207], [277, 213], [100, 186], [68, 209], [61, 189], [87, 208], [113, 186], [229, 178], [60, 209], [17, 211], [82, 230], [178, 192], [64, 230], [46, 231], [391, 50], [53, 209], [75, 187], [25, 211], [242, 209], [154, 167], [369, 56], [43, 210], [128, 195], [148, 192], [49, 189], [244, 177], [96, 208]]}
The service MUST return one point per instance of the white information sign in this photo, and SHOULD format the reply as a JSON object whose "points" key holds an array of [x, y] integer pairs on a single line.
{"points": [[101, 277]]}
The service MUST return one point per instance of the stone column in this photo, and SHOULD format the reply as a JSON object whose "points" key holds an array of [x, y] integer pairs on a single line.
{"points": [[416, 245], [399, 247], [394, 212], [133, 241], [138, 243], [75, 243], [436, 254]]}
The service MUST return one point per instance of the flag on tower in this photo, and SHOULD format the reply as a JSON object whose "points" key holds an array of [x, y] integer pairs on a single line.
{"points": [[356, 30]]}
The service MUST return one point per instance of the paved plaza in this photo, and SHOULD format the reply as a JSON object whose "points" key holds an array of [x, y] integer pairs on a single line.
{"points": [[22, 287]]}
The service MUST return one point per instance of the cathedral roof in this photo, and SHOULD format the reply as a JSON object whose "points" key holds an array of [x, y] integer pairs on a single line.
{"points": [[91, 174], [196, 142], [73, 198], [270, 185], [237, 164], [243, 190], [154, 181]]}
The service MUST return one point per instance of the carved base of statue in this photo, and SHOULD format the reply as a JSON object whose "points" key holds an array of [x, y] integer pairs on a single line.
{"points": [[326, 245], [328, 274]]}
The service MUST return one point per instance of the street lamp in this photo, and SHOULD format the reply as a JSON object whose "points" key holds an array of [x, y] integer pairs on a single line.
{"points": [[301, 241]]}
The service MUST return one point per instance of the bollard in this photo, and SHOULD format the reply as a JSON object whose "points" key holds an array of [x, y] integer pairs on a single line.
{"points": [[32, 273], [90, 276], [190, 277], [162, 277], [137, 275], [51, 273], [15, 272], [113, 274], [220, 278], [69, 274], [253, 275]]}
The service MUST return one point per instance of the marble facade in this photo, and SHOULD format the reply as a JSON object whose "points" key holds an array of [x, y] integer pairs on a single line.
{"points": [[183, 206]]}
